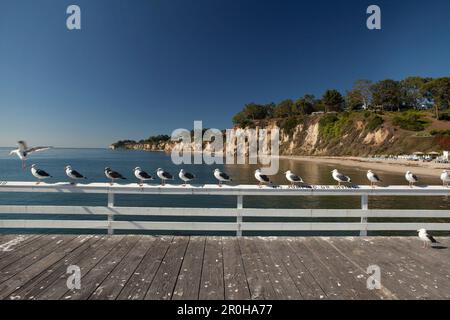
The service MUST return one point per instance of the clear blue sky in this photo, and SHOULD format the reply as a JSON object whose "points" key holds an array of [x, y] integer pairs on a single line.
{"points": [[139, 68]]}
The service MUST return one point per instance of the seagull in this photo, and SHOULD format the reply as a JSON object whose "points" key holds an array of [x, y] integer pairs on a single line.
{"points": [[113, 175], [163, 175], [426, 237], [293, 178], [411, 178], [141, 175], [23, 151], [38, 173], [221, 176], [262, 178], [73, 174], [185, 176], [339, 177], [445, 177], [373, 178]]}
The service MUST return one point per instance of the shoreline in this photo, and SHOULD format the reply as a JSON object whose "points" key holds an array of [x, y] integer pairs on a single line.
{"points": [[430, 169]]}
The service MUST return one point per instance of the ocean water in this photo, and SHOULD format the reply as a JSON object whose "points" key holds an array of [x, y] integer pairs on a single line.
{"points": [[91, 163]]}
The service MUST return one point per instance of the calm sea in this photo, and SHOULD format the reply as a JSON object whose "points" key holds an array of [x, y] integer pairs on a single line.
{"points": [[91, 162]]}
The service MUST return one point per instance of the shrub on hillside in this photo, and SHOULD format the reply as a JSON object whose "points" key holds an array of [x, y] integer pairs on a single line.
{"points": [[374, 123], [410, 120]]}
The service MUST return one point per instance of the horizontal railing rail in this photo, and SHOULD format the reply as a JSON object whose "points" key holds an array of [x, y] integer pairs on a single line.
{"points": [[239, 214]]}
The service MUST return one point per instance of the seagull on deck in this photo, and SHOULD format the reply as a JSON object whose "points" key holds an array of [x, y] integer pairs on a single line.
{"points": [[221, 176], [339, 177], [73, 174], [293, 178], [141, 175], [163, 175], [185, 176], [426, 237], [262, 178], [411, 178], [373, 178], [23, 151], [113, 175], [39, 174], [445, 177]]}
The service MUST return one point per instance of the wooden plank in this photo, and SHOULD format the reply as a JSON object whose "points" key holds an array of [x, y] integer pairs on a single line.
{"points": [[15, 242], [257, 276], [111, 287], [188, 282], [39, 283], [139, 282], [278, 274], [235, 278], [27, 274], [21, 251], [53, 290], [212, 283], [299, 273], [23, 263], [164, 282]]}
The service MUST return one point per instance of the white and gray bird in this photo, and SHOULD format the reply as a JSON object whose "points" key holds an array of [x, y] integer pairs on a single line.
{"points": [[113, 175], [262, 178], [163, 175], [39, 174], [74, 175], [373, 178], [445, 177], [185, 176], [141, 175], [293, 178], [339, 177], [426, 238], [221, 176], [411, 178], [23, 151]]}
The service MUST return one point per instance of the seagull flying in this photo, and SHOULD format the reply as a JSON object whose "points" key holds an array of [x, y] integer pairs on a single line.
{"points": [[293, 178], [23, 151], [411, 178], [186, 176], [163, 175], [262, 178], [73, 174], [221, 176], [141, 175], [339, 177], [373, 177], [113, 175], [39, 174], [445, 177], [426, 237]]}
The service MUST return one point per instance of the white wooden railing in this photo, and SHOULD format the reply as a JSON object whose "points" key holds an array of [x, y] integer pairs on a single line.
{"points": [[239, 224]]}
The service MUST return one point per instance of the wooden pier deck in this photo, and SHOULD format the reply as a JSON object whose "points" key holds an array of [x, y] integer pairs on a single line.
{"points": [[197, 267]]}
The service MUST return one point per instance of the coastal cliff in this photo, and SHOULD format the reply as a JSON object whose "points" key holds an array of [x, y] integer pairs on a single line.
{"points": [[332, 134]]}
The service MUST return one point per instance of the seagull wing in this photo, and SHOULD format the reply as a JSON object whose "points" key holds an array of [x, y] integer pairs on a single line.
{"points": [[145, 175], [264, 177], [415, 177], [77, 174], [223, 175], [296, 178], [42, 173], [167, 175], [36, 149], [376, 177], [116, 175], [22, 145], [342, 177], [433, 240], [189, 175]]}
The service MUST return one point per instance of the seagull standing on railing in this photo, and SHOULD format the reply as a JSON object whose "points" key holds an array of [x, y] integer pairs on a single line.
{"points": [[186, 177], [262, 178], [339, 177], [426, 237], [411, 178], [373, 178], [23, 151], [73, 174], [163, 175], [221, 176], [445, 177], [293, 178], [39, 174], [113, 175], [142, 175]]}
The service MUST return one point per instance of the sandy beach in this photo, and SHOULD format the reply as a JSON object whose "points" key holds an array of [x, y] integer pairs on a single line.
{"points": [[396, 166]]}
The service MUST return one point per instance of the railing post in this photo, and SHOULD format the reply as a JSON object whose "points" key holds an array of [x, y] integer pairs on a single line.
{"points": [[240, 206], [364, 207], [110, 213]]}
